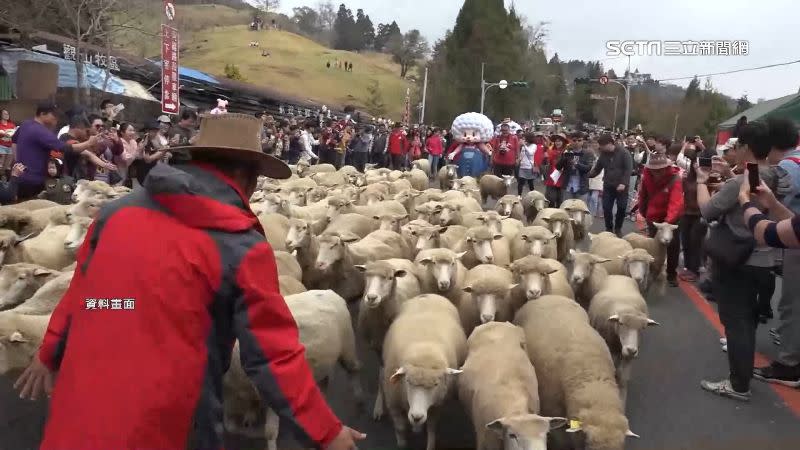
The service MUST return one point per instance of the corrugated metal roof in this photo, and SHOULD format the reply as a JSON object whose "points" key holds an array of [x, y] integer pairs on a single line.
{"points": [[760, 110], [188, 72]]}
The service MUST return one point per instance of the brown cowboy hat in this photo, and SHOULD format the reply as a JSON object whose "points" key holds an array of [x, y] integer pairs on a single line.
{"points": [[561, 136], [657, 160], [236, 136]]}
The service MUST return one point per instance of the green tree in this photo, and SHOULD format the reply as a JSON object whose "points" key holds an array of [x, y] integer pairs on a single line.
{"points": [[232, 72], [407, 49], [385, 33], [693, 90], [307, 20], [344, 29], [742, 104], [365, 37], [374, 103]]}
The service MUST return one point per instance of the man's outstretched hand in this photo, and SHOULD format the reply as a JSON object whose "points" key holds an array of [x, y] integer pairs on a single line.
{"points": [[346, 440], [34, 381]]}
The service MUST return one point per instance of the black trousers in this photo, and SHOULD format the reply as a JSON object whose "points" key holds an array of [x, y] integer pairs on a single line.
{"points": [[610, 197], [673, 252], [693, 235], [737, 291], [359, 159], [501, 169], [521, 182], [398, 162], [554, 195]]}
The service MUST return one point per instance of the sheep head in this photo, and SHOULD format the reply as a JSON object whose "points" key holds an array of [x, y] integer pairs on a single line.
{"points": [[274, 204], [442, 264], [298, 236], [338, 205], [425, 386], [332, 249], [427, 236], [316, 194], [380, 280], [583, 266], [505, 206], [480, 238], [525, 431], [14, 219], [665, 233], [390, 222], [508, 180], [19, 281], [576, 209], [17, 346], [628, 326], [487, 293], [534, 275], [450, 212], [535, 239], [636, 264], [79, 226]]}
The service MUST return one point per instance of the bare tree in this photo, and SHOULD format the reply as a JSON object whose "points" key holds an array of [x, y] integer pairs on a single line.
{"points": [[267, 6], [327, 15]]}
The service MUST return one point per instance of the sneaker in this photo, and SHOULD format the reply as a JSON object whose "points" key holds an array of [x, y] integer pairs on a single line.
{"points": [[778, 373], [618, 232], [724, 389], [672, 281], [724, 343], [776, 338], [687, 275]]}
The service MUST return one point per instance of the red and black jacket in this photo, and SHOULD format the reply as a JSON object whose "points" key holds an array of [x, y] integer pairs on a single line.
{"points": [[192, 258]]}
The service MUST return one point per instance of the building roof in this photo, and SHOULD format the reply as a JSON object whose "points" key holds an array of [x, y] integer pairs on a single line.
{"points": [[767, 107]]}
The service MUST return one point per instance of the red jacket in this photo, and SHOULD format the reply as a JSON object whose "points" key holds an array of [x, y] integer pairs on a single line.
{"points": [[398, 143], [434, 145], [508, 158], [661, 200], [205, 276], [552, 155]]}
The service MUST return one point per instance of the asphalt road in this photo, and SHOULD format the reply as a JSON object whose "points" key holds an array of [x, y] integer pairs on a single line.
{"points": [[665, 404]]}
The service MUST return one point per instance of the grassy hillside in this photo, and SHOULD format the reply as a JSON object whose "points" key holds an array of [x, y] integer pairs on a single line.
{"points": [[213, 36]]}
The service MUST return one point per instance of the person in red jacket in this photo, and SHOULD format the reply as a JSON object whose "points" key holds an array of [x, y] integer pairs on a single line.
{"points": [[144, 350], [661, 201], [504, 157], [434, 145], [397, 146], [554, 180]]}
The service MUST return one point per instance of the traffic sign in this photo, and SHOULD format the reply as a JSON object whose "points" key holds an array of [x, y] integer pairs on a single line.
{"points": [[604, 79], [170, 81], [503, 84], [169, 10]]}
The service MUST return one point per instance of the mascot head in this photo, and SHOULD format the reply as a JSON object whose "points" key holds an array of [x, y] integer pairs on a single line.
{"points": [[472, 128]]}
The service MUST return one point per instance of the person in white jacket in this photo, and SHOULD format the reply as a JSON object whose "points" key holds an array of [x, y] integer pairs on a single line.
{"points": [[308, 142], [595, 186]]}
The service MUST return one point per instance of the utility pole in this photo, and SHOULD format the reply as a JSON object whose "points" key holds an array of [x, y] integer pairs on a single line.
{"points": [[483, 85], [424, 94], [675, 127], [628, 79]]}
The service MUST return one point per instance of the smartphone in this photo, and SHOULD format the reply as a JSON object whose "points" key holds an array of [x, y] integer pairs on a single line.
{"points": [[755, 180], [704, 162], [118, 108]]}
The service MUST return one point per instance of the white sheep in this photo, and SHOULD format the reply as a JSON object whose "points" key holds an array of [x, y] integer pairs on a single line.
{"points": [[407, 231], [539, 276], [391, 222], [323, 322], [494, 186], [435, 236], [452, 210], [619, 312], [274, 203], [559, 222], [580, 215], [484, 247], [14, 219], [288, 265], [304, 169], [340, 205], [409, 199], [301, 242], [488, 296], [507, 226], [388, 284], [45, 299], [532, 203], [447, 175], [422, 351], [276, 227], [419, 179], [499, 391], [399, 185], [46, 249], [624, 259], [466, 183], [18, 282], [441, 272], [656, 246], [534, 240], [290, 285], [330, 179], [588, 276], [510, 206], [429, 211], [424, 165], [36, 204], [20, 338], [576, 372], [8, 239]]}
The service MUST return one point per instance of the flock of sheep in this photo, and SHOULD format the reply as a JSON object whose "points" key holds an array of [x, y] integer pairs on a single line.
{"points": [[454, 299]]}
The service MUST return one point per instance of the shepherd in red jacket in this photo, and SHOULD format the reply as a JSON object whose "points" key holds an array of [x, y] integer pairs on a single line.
{"points": [[397, 146], [506, 152], [661, 201], [141, 353]]}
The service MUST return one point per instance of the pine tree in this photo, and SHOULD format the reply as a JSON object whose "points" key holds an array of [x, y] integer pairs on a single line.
{"points": [[365, 30], [344, 29], [385, 33]]}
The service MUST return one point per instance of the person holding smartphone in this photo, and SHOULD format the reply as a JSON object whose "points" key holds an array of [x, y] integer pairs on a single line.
{"points": [[742, 270]]}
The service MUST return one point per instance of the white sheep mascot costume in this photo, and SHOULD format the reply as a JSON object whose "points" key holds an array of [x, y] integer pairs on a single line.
{"points": [[222, 107], [472, 131]]}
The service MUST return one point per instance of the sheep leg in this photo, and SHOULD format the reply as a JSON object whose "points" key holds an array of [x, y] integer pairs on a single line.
{"points": [[430, 426], [271, 429], [350, 363], [377, 411], [400, 427]]}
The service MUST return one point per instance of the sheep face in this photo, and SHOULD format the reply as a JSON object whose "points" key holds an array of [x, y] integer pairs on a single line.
{"points": [[555, 226], [316, 195], [424, 388], [391, 222], [540, 204], [298, 236], [273, 204], [482, 245], [536, 283], [296, 196], [79, 225], [525, 431], [492, 220], [665, 233], [374, 197], [332, 249], [16, 350], [80, 189], [19, 281], [505, 206], [508, 180], [358, 179], [444, 270], [449, 214], [628, 328], [583, 266], [337, 206], [636, 264], [451, 172], [427, 237], [429, 211], [535, 240], [6, 243], [89, 207], [486, 298], [380, 280]]}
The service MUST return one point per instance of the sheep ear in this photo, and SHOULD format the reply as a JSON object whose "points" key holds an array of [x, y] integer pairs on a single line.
{"points": [[467, 289], [674, 227], [443, 229], [348, 237], [397, 376], [497, 237], [451, 371], [400, 273], [496, 426], [630, 433], [376, 217], [651, 322], [614, 318], [361, 268], [460, 255], [309, 189], [41, 272], [17, 337], [426, 261], [600, 259], [512, 286], [20, 239], [552, 271]]}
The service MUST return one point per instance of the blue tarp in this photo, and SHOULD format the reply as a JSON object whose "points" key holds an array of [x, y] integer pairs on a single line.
{"points": [[67, 73], [186, 72]]}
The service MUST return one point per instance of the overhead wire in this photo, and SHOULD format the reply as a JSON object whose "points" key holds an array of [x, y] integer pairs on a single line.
{"points": [[731, 71]]}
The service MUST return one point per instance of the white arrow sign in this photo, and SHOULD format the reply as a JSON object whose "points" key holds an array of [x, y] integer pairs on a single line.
{"points": [[170, 106]]}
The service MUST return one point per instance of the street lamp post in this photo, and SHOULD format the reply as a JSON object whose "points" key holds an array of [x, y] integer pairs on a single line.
{"points": [[485, 87]]}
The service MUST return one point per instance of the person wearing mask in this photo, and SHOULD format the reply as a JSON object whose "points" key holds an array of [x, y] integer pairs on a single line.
{"points": [[362, 147], [7, 128], [785, 370], [434, 146], [741, 270], [34, 140], [397, 146], [58, 187], [616, 164], [577, 164], [505, 152], [661, 201], [528, 171], [223, 276], [8, 189], [555, 180]]}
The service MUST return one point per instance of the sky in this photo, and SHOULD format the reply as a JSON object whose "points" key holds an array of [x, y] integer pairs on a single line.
{"points": [[579, 29]]}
